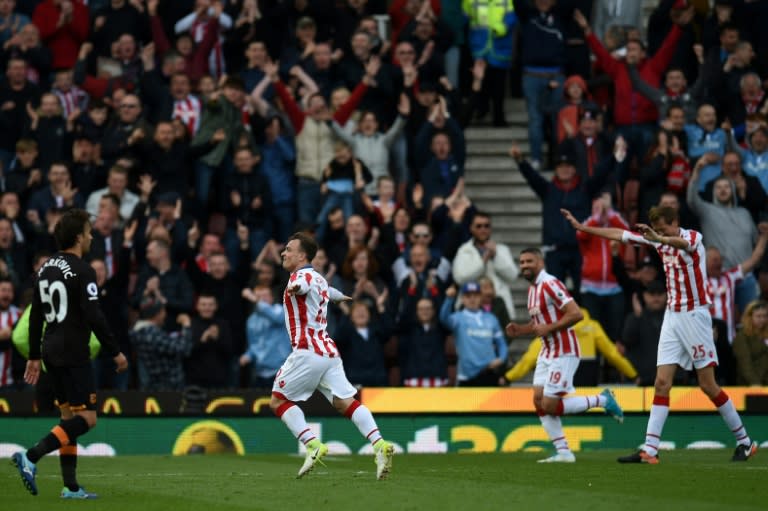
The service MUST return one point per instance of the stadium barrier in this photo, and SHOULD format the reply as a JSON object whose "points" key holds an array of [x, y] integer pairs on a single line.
{"points": [[390, 400], [412, 434]]}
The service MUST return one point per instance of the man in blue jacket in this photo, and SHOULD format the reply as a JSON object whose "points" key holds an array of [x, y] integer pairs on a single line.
{"points": [[480, 342]]}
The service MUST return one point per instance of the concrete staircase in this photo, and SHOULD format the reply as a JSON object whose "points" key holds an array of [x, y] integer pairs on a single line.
{"points": [[495, 185]]}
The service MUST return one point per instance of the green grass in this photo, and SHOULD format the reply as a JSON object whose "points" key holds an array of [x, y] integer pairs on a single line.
{"points": [[692, 480]]}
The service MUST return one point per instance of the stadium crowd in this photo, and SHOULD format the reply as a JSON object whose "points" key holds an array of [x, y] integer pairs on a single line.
{"points": [[200, 134]]}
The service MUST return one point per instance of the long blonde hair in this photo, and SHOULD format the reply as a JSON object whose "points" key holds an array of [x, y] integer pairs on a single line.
{"points": [[746, 319]]}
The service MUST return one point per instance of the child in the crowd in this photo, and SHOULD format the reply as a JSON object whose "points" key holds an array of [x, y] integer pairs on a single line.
{"points": [[342, 178], [576, 93]]}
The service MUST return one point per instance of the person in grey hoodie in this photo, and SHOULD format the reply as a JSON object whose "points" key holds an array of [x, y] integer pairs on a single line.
{"points": [[727, 226]]}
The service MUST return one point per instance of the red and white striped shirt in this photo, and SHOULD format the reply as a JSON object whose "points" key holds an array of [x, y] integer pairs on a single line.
{"points": [[188, 111], [71, 100], [546, 299], [722, 294], [686, 270], [8, 319], [306, 312]]}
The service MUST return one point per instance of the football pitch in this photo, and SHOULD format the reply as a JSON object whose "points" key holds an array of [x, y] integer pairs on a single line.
{"points": [[696, 480]]}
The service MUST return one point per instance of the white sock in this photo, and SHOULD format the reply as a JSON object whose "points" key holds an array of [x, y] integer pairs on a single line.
{"points": [[293, 417], [732, 419], [659, 412], [578, 404], [554, 429], [362, 417]]}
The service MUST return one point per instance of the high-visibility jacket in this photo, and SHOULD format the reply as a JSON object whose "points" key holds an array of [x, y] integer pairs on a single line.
{"points": [[490, 30], [592, 338]]}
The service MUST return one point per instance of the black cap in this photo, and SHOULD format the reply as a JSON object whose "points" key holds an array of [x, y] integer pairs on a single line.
{"points": [[655, 287], [589, 111], [565, 158]]}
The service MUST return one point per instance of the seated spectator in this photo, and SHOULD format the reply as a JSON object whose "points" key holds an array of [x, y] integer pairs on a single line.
{"points": [[268, 342], [209, 363], [160, 351], [483, 257], [592, 339], [360, 342], [421, 345], [117, 185], [749, 347], [480, 342]]}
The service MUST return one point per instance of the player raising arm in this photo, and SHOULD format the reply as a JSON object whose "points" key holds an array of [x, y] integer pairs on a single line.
{"points": [[314, 363], [686, 332]]}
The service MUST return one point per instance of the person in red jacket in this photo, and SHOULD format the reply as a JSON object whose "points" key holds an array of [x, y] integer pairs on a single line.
{"points": [[635, 116], [601, 294], [63, 26]]}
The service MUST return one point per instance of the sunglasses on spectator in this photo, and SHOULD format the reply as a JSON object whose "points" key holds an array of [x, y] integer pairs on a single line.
{"points": [[129, 105], [482, 226], [421, 235]]}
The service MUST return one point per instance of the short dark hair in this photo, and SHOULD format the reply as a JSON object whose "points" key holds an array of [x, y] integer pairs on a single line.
{"points": [[729, 26], [111, 197], [307, 244], [70, 226], [657, 213], [532, 250]]}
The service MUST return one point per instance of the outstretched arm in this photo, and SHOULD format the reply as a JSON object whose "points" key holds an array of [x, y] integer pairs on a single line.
{"points": [[757, 254], [610, 233]]}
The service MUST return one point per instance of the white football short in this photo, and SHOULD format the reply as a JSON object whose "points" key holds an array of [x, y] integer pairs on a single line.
{"points": [[304, 371], [687, 339], [555, 375]]}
